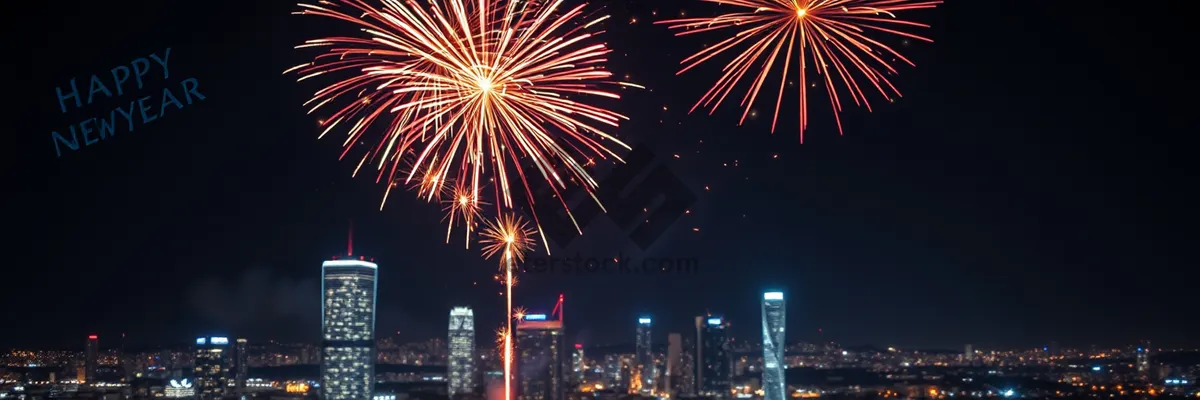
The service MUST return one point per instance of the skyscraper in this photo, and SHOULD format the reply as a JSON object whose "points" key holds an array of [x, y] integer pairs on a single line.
{"points": [[348, 328], [1143, 360], [579, 365], [241, 359], [539, 369], [644, 356], [968, 353], [461, 362], [209, 368], [89, 362], [713, 372], [774, 317], [687, 369], [671, 381]]}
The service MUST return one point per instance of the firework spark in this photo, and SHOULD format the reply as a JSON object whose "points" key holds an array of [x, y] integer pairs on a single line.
{"points": [[461, 208], [831, 34], [477, 92]]}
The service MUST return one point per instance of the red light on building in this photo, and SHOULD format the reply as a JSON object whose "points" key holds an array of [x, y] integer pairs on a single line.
{"points": [[578, 345], [93, 337]]}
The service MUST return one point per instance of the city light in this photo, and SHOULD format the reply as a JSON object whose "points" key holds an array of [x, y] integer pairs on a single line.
{"points": [[535, 317], [773, 296], [219, 340], [349, 263], [644, 321], [714, 321], [201, 341]]}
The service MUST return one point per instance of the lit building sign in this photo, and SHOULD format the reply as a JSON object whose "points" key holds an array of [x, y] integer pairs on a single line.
{"points": [[298, 387], [219, 340], [535, 317], [714, 321], [773, 296], [179, 389], [201, 340], [644, 321]]}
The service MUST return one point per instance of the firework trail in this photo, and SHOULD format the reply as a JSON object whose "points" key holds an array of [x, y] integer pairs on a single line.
{"points": [[511, 237], [478, 92], [829, 34]]}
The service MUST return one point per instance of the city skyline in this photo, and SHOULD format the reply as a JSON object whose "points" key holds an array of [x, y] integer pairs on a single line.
{"points": [[1026, 189]]}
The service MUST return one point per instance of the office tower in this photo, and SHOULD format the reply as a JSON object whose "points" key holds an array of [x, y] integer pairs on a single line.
{"points": [[579, 366], [687, 370], [612, 371], [493, 385], [1142, 360], [698, 359], [968, 353], [714, 359], [348, 288], [539, 372], [241, 360], [774, 317], [124, 362], [671, 381], [461, 361], [644, 356], [209, 368], [89, 362]]}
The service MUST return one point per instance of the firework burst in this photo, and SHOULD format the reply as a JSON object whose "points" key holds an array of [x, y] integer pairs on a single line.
{"points": [[508, 235], [828, 34], [482, 93], [512, 237]]}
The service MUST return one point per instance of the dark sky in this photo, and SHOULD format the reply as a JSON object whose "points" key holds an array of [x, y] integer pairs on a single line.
{"points": [[1034, 184]]}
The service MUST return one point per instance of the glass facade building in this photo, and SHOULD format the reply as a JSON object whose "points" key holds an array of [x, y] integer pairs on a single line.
{"points": [[774, 313], [348, 329], [209, 368], [644, 356], [241, 361], [89, 362], [540, 356], [579, 365], [714, 369], [461, 363]]}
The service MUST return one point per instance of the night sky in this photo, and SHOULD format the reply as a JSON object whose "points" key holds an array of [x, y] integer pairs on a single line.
{"points": [[1033, 185]]}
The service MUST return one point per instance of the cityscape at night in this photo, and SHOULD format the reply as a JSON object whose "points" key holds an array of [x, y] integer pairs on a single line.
{"points": [[600, 200]]}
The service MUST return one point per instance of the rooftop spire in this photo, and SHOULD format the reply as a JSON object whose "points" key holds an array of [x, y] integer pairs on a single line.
{"points": [[350, 242]]}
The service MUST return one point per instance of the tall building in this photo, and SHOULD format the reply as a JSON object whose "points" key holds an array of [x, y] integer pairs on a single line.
{"points": [[539, 369], [461, 361], [687, 366], [774, 318], [671, 381], [1143, 360], [209, 369], [348, 288], [89, 362], [968, 353], [579, 365], [644, 356], [241, 360], [713, 358]]}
